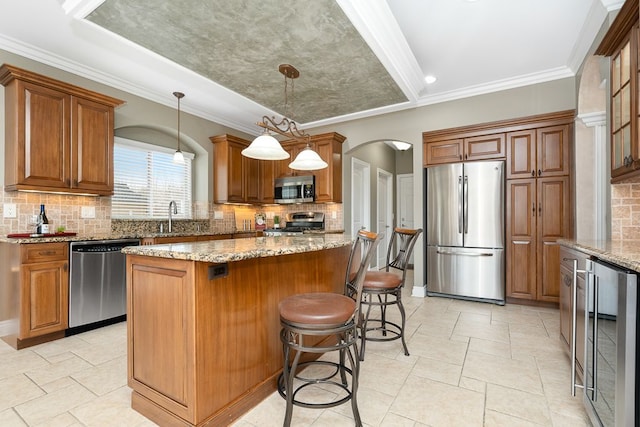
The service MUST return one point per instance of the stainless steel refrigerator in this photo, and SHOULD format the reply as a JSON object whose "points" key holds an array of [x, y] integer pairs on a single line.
{"points": [[465, 230]]}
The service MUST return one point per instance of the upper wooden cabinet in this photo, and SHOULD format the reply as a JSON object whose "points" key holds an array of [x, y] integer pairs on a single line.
{"points": [[482, 147], [239, 179], [58, 137], [621, 45], [538, 152]]}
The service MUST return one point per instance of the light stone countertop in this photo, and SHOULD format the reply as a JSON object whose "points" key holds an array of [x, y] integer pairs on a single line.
{"points": [[109, 236], [219, 251], [625, 253]]}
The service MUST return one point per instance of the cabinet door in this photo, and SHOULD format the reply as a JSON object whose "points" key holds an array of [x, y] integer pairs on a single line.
{"points": [[552, 224], [267, 175], [282, 166], [484, 147], [329, 180], [251, 179], [521, 154], [621, 103], [552, 154], [92, 146], [440, 152], [43, 141], [521, 238], [45, 293]]}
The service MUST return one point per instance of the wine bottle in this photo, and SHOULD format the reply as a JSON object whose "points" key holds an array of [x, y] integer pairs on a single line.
{"points": [[44, 222]]}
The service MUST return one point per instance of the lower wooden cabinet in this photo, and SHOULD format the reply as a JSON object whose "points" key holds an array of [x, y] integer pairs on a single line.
{"points": [[538, 215], [567, 289], [44, 289]]}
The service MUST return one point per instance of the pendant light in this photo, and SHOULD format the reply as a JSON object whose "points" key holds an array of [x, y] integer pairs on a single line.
{"points": [[266, 147], [178, 157]]}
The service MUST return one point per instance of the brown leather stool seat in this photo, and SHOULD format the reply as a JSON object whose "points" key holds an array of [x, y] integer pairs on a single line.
{"points": [[324, 322], [382, 289]]}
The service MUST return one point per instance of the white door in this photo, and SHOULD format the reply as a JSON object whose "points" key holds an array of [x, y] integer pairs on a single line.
{"points": [[360, 195], [385, 214], [404, 194]]}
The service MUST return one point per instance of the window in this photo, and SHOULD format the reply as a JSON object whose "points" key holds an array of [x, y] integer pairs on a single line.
{"points": [[146, 180]]}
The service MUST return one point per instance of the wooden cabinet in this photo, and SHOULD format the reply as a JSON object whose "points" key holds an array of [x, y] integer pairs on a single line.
{"points": [[567, 289], [44, 289], [240, 179], [59, 137], [481, 147], [538, 152], [621, 45], [328, 180], [538, 214]]}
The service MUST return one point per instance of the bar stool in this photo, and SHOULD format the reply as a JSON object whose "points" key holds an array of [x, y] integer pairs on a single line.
{"points": [[386, 286], [333, 317]]}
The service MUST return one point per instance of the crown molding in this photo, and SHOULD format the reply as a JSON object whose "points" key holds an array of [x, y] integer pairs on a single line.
{"points": [[380, 30]]}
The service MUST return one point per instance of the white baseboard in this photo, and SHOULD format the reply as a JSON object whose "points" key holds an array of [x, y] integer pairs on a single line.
{"points": [[419, 291]]}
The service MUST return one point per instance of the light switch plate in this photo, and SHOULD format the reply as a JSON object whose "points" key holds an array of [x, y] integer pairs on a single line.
{"points": [[9, 210], [88, 212], [218, 215]]}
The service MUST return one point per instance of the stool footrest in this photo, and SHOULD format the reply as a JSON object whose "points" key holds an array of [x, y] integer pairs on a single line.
{"points": [[320, 381]]}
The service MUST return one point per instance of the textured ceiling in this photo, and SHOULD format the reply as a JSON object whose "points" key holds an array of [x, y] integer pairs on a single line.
{"points": [[240, 44]]}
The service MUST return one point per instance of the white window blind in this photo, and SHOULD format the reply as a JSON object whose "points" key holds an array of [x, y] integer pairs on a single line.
{"points": [[146, 180]]}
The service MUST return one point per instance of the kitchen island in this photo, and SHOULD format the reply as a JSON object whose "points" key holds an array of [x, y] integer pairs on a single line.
{"points": [[203, 324]]}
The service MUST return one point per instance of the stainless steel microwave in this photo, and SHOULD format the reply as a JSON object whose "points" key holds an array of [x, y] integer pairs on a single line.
{"points": [[295, 189]]}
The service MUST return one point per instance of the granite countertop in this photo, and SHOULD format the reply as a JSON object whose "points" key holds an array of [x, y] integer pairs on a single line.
{"points": [[220, 251], [109, 236], [625, 253]]}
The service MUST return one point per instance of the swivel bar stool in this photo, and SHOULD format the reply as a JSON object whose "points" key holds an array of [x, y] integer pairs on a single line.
{"points": [[332, 319], [384, 288]]}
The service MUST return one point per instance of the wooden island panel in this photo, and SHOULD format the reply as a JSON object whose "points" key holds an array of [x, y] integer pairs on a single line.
{"points": [[203, 351]]}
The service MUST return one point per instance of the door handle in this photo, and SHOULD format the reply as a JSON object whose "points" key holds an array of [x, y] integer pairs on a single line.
{"points": [[466, 204], [460, 204], [473, 254], [574, 321], [594, 354]]}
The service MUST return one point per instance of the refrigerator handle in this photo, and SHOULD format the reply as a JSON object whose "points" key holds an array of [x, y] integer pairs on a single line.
{"points": [[466, 205], [460, 204]]}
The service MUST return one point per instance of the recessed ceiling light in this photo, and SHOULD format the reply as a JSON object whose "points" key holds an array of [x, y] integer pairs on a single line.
{"points": [[430, 79]]}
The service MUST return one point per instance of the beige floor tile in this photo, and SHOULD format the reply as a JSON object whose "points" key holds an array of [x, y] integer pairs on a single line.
{"points": [[519, 404], [17, 362], [492, 332], [434, 347], [517, 317], [57, 370], [516, 374], [437, 370], [104, 378], [50, 405], [473, 384], [372, 404], [495, 348], [497, 419], [63, 420], [393, 420], [562, 420], [334, 419], [9, 418], [270, 413], [383, 374], [111, 409], [437, 404], [16, 390]]}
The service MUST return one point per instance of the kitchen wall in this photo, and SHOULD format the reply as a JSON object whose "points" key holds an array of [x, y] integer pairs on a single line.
{"points": [[625, 210]]}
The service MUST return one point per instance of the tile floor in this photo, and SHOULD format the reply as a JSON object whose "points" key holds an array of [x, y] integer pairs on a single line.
{"points": [[471, 364]]}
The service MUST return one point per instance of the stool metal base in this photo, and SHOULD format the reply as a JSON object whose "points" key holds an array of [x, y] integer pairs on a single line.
{"points": [[346, 344], [383, 325]]}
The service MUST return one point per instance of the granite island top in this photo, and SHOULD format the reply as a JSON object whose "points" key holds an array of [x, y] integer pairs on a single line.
{"points": [[625, 253], [105, 236], [219, 251]]}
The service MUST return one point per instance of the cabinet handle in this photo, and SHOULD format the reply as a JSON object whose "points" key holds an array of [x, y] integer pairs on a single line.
{"points": [[460, 156], [533, 209], [540, 209], [574, 321], [539, 172], [533, 172], [65, 267], [466, 156]]}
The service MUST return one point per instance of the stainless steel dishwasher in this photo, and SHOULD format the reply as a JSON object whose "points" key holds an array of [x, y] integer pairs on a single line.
{"points": [[97, 286]]}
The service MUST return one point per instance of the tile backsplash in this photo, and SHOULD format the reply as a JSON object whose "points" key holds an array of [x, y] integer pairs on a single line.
{"points": [[625, 210], [66, 210]]}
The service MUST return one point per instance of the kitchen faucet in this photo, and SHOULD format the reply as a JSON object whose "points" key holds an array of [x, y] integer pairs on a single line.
{"points": [[175, 211]]}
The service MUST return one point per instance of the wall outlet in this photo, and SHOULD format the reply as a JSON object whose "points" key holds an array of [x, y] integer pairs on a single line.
{"points": [[334, 215], [88, 212], [270, 215], [9, 210], [218, 215]]}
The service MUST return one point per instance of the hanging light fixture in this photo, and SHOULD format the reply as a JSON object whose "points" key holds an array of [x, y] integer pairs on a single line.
{"points": [[178, 157], [266, 147]]}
